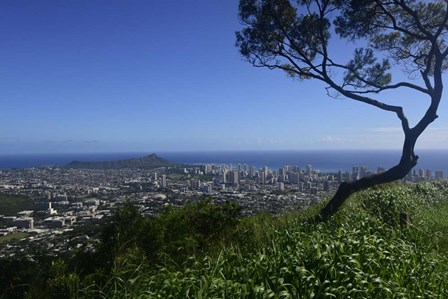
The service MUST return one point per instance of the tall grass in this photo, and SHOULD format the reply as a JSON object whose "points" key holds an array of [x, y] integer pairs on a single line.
{"points": [[363, 252]]}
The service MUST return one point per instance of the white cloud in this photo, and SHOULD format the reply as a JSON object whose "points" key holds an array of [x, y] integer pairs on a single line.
{"points": [[330, 139]]}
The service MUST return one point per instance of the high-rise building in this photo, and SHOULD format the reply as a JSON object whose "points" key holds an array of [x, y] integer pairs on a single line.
{"points": [[224, 176], [309, 170], [326, 186], [263, 177], [234, 177], [281, 177], [421, 173], [281, 171], [428, 173], [252, 172], [163, 181], [294, 178], [363, 171], [208, 168], [438, 175]]}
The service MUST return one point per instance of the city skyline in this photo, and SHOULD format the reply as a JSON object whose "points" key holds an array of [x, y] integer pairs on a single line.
{"points": [[110, 76]]}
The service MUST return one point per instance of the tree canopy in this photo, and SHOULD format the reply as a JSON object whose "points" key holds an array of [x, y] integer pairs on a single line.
{"points": [[296, 37]]}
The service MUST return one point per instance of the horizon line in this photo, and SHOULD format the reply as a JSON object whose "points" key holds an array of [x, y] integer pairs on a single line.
{"points": [[216, 151]]}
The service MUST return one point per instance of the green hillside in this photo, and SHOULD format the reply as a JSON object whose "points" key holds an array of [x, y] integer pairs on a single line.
{"points": [[11, 204], [206, 251]]}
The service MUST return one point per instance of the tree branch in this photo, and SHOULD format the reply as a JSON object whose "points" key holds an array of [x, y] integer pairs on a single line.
{"points": [[416, 18], [395, 24], [445, 21], [397, 109]]}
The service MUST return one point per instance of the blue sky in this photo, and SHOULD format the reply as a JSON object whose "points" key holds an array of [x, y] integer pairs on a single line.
{"points": [[145, 76]]}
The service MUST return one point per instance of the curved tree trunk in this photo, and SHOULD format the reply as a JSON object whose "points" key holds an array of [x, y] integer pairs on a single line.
{"points": [[407, 162], [408, 158], [348, 188]]}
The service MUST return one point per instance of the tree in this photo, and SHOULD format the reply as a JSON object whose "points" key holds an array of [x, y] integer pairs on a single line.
{"points": [[294, 36]]}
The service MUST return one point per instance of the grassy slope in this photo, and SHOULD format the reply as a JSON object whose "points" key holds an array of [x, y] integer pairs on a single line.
{"points": [[362, 252], [11, 237]]}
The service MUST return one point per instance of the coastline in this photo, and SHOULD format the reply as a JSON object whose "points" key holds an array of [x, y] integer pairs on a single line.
{"points": [[324, 160]]}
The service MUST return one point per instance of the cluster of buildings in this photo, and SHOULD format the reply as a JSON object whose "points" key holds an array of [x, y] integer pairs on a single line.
{"points": [[425, 174], [305, 180], [44, 216], [64, 199]]}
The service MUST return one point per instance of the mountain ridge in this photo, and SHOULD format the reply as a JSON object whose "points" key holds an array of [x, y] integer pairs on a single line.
{"points": [[150, 161]]}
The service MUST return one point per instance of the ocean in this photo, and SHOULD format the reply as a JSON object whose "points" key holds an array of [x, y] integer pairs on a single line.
{"points": [[324, 160]]}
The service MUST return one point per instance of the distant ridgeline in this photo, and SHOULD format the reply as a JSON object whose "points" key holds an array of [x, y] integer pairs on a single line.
{"points": [[148, 162]]}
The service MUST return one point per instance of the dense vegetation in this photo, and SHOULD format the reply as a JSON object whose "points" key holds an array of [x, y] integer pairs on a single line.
{"points": [[207, 251], [11, 204]]}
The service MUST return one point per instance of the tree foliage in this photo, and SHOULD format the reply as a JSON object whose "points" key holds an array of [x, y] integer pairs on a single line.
{"points": [[295, 35]]}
